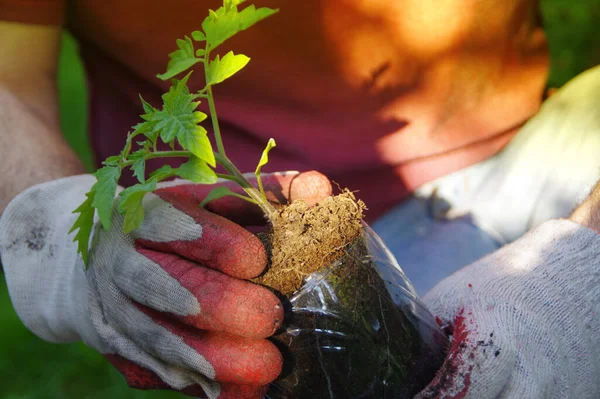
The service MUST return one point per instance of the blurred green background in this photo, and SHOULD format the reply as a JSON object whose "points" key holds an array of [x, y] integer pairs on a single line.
{"points": [[31, 368]]}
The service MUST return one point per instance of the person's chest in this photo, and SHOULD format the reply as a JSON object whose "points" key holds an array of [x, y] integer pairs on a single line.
{"points": [[392, 81]]}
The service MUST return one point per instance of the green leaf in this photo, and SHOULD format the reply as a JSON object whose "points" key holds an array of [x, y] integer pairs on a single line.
{"points": [[264, 159], [197, 171], [181, 59], [220, 192], [84, 223], [220, 69], [226, 21], [104, 193], [198, 36], [148, 109], [147, 127], [162, 173], [112, 161], [179, 120], [139, 164], [130, 204]]}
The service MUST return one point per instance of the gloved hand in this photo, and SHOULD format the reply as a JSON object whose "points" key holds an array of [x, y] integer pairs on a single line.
{"points": [[525, 320], [165, 304]]}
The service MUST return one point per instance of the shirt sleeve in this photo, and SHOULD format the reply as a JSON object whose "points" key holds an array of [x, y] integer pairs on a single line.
{"points": [[38, 12]]}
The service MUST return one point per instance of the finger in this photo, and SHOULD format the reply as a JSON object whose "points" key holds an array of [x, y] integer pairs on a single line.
{"points": [[280, 188], [199, 235], [234, 359], [139, 377], [198, 296]]}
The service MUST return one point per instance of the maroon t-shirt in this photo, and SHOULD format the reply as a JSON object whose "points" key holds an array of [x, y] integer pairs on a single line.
{"points": [[382, 96]]}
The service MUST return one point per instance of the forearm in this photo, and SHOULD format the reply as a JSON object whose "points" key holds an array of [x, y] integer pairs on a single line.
{"points": [[32, 148], [588, 213]]}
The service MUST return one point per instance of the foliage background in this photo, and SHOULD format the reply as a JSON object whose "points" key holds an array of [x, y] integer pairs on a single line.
{"points": [[32, 368]]}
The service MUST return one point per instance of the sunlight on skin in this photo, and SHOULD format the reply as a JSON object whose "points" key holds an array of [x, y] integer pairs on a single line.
{"points": [[445, 72]]}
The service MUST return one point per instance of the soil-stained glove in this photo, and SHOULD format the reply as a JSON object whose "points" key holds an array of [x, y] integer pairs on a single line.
{"points": [[166, 304], [525, 320]]}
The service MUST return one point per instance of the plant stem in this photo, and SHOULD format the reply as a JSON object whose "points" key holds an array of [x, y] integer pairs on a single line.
{"points": [[234, 175], [221, 156], [215, 121], [261, 201], [211, 103], [162, 154]]}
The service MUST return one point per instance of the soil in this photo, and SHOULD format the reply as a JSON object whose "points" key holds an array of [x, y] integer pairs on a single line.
{"points": [[303, 240], [349, 335]]}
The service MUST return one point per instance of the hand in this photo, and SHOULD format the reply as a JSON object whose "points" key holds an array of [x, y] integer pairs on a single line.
{"points": [[167, 304], [524, 320]]}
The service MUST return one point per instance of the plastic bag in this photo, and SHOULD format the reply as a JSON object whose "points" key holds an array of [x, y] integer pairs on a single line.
{"points": [[357, 330]]}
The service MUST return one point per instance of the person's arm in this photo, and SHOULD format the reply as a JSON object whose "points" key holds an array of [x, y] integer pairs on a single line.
{"points": [[588, 213], [32, 148]]}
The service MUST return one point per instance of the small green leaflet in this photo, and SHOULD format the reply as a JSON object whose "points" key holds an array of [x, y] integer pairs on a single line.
{"points": [[181, 59], [139, 164], [226, 21], [101, 197], [264, 158], [84, 222], [104, 193], [112, 161], [198, 36], [220, 69], [220, 192], [197, 171], [179, 119], [130, 204]]}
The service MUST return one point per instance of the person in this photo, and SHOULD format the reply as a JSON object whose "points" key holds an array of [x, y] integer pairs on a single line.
{"points": [[430, 110]]}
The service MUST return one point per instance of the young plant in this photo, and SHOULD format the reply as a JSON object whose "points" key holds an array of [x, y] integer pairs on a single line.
{"points": [[178, 124]]}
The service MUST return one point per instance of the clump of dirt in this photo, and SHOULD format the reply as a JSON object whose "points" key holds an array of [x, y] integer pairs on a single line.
{"points": [[303, 239]]}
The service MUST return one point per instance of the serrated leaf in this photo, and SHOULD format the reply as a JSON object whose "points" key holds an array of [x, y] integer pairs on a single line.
{"points": [[226, 21], [220, 69], [104, 193], [216, 193], [149, 109], [139, 164], [181, 59], [84, 223], [264, 159], [130, 204], [197, 171], [179, 120], [197, 142]]}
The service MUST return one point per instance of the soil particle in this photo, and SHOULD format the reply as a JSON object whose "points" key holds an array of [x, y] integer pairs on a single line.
{"points": [[304, 239]]}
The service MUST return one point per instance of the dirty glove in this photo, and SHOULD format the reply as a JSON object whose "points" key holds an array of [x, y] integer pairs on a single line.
{"points": [[165, 304], [525, 319]]}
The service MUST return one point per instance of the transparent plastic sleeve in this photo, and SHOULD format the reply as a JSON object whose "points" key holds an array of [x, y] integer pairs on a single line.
{"points": [[357, 329]]}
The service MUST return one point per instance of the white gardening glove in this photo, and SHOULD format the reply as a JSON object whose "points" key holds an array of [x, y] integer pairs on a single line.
{"points": [[525, 319], [163, 304]]}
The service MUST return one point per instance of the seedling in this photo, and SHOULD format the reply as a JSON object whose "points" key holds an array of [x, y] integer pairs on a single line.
{"points": [[350, 335], [178, 124]]}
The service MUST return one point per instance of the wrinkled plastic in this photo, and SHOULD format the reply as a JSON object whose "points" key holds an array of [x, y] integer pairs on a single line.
{"points": [[356, 329]]}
